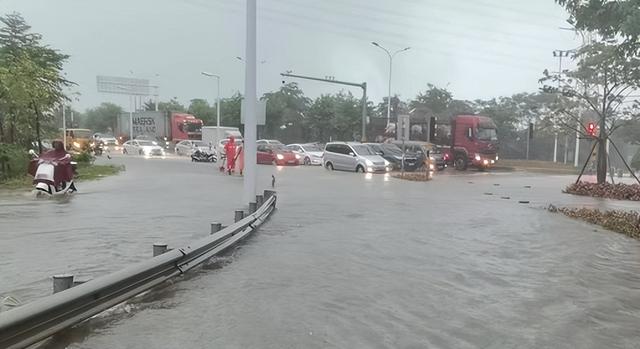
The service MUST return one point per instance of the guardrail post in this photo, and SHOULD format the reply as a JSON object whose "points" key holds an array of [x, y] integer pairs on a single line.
{"points": [[268, 194], [259, 200], [252, 207], [215, 227], [159, 248], [62, 282], [238, 216]]}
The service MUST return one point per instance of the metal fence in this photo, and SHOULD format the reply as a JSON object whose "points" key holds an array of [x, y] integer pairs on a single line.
{"points": [[33, 322]]}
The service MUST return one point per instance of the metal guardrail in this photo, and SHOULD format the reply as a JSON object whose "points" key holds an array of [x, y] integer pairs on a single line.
{"points": [[35, 321]]}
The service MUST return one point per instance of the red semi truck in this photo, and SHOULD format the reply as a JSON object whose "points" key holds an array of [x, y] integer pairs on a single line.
{"points": [[160, 126], [474, 142]]}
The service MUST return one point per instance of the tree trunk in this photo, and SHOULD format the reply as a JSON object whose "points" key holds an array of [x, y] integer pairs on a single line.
{"points": [[601, 167]]}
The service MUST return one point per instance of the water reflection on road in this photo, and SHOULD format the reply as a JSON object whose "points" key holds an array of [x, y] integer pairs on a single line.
{"points": [[348, 261]]}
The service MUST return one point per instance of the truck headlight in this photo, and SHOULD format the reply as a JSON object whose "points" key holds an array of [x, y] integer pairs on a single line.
{"points": [[477, 157], [280, 156]]}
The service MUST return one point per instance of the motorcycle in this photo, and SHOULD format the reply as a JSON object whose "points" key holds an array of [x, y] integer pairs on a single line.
{"points": [[52, 173], [97, 148], [200, 156]]}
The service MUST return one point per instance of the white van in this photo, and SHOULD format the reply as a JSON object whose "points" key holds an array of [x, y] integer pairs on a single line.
{"points": [[353, 156]]}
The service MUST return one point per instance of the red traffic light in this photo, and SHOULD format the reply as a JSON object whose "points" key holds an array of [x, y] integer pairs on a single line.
{"points": [[591, 129]]}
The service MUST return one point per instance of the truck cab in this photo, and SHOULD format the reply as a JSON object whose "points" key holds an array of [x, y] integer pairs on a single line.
{"points": [[474, 142]]}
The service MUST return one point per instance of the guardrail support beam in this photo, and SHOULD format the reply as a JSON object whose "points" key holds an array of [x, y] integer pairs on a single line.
{"points": [[215, 227], [238, 216], [252, 207], [62, 282], [159, 248], [268, 194], [259, 200]]}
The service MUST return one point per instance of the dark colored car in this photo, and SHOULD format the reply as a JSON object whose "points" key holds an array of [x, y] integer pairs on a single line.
{"points": [[421, 149], [393, 154]]}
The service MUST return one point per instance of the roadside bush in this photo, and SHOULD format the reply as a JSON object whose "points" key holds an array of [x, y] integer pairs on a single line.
{"points": [[625, 222], [84, 158], [618, 191], [14, 161]]}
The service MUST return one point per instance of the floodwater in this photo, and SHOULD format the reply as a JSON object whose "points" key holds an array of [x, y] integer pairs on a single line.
{"points": [[347, 261]]}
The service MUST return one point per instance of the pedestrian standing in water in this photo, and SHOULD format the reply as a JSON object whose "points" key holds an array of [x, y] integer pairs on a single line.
{"points": [[240, 158], [230, 151]]}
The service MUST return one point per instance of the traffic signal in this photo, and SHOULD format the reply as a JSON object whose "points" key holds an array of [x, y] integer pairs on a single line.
{"points": [[591, 129]]}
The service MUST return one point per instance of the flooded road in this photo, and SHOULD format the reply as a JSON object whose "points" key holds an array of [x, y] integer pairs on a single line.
{"points": [[347, 261]]}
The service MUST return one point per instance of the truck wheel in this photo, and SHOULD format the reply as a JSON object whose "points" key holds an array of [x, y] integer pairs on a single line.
{"points": [[460, 163]]}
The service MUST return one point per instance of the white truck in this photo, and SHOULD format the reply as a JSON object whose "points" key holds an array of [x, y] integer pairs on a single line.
{"points": [[216, 136]]}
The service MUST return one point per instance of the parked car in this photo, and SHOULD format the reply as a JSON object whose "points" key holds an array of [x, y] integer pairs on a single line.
{"points": [[353, 156], [278, 154], [421, 149], [142, 147], [268, 142], [188, 147], [308, 154], [393, 154]]}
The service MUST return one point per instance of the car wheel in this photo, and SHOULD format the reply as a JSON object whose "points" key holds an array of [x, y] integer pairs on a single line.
{"points": [[360, 169], [124, 151], [307, 161], [329, 166], [460, 163], [140, 152]]}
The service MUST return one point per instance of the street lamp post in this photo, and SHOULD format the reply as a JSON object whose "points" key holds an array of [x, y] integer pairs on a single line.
{"points": [[391, 55], [217, 106], [559, 54]]}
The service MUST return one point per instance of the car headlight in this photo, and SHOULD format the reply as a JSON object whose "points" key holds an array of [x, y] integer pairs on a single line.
{"points": [[279, 156], [76, 144], [368, 162], [496, 157], [386, 163], [298, 156], [477, 157], [432, 158]]}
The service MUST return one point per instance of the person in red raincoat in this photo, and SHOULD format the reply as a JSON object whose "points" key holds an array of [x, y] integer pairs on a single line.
{"points": [[63, 171], [230, 151]]}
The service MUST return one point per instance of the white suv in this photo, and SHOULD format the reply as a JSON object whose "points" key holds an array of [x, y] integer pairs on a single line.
{"points": [[353, 156]]}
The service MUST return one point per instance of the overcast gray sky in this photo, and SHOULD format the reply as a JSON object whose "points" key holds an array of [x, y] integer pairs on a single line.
{"points": [[481, 48]]}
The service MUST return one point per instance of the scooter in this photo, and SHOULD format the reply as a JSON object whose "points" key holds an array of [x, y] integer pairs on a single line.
{"points": [[200, 156], [52, 176]]}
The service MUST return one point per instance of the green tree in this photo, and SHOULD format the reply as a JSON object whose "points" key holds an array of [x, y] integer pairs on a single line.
{"points": [[285, 111], [605, 77], [201, 109], [102, 118], [31, 81], [610, 19], [230, 111], [172, 106]]}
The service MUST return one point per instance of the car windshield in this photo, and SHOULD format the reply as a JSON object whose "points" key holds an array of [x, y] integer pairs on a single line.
{"points": [[311, 147], [363, 150], [79, 133], [280, 148], [487, 134], [145, 143], [391, 149], [200, 144]]}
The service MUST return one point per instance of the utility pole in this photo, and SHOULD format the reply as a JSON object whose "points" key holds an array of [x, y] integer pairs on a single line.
{"points": [[559, 54], [217, 107], [390, 70], [363, 86], [64, 127], [250, 124]]}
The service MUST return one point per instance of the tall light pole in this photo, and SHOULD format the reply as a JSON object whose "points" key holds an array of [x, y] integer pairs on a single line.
{"points": [[559, 54], [391, 55], [217, 105], [250, 127]]}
